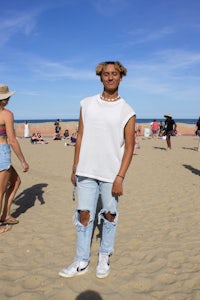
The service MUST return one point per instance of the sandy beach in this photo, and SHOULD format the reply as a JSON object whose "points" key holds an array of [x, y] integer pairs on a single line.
{"points": [[157, 245], [47, 128]]}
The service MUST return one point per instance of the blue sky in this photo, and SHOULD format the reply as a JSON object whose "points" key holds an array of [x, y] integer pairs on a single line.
{"points": [[49, 51]]}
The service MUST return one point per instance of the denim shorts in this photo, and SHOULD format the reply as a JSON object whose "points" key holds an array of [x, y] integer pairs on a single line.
{"points": [[5, 157]]}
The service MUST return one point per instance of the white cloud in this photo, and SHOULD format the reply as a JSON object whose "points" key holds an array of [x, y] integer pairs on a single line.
{"points": [[141, 36], [29, 93], [179, 59], [148, 85], [109, 7], [170, 73], [168, 63], [53, 70], [15, 23]]}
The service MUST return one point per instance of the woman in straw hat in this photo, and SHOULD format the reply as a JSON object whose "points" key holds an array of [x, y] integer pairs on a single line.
{"points": [[9, 179]]}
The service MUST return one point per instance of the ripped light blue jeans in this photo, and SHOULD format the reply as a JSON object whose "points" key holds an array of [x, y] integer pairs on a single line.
{"points": [[88, 194]]}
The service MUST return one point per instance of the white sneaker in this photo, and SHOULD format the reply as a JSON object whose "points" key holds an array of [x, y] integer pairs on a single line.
{"points": [[76, 268], [103, 267]]}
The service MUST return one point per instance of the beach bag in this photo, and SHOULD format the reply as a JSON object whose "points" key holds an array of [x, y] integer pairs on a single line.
{"points": [[146, 132]]}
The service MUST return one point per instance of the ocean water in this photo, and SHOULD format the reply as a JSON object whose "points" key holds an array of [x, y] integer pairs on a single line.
{"points": [[186, 121]]}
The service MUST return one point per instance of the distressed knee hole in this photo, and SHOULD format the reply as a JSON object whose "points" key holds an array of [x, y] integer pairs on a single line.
{"points": [[110, 217], [82, 220], [84, 217]]}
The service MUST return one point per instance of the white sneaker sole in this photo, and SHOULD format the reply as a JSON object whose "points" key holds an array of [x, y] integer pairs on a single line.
{"points": [[98, 275], [63, 274]]}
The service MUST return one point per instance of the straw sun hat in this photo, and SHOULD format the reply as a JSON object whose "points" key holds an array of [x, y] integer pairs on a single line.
{"points": [[167, 115], [4, 92]]}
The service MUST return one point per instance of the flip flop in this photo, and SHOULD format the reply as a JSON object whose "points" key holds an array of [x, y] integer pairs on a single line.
{"points": [[10, 221], [5, 228]]}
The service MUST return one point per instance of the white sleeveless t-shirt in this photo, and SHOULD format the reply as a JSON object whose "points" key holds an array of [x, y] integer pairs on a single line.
{"points": [[102, 144]]}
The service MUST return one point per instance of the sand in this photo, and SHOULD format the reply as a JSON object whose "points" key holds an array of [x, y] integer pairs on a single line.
{"points": [[157, 244], [47, 128]]}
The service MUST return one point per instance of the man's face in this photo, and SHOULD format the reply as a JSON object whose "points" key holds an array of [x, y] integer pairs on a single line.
{"points": [[110, 78]]}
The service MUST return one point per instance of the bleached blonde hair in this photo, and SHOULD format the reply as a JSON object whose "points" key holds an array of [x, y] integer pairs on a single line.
{"points": [[117, 64]]}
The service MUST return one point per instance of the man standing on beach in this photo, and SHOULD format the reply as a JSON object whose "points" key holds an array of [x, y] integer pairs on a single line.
{"points": [[103, 153], [197, 132], [170, 129], [57, 126]]}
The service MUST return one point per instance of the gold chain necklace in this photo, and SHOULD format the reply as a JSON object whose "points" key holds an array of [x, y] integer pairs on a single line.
{"points": [[109, 99]]}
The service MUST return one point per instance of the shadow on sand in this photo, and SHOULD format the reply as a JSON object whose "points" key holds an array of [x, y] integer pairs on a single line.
{"points": [[160, 148], [89, 295], [27, 198], [190, 148], [193, 170]]}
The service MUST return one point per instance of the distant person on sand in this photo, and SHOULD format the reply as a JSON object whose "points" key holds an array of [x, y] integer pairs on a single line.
{"points": [[137, 142], [154, 128], [197, 132], [103, 153], [37, 138], [66, 134], [170, 129], [57, 126], [73, 139], [9, 179], [57, 137], [161, 129], [26, 130]]}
